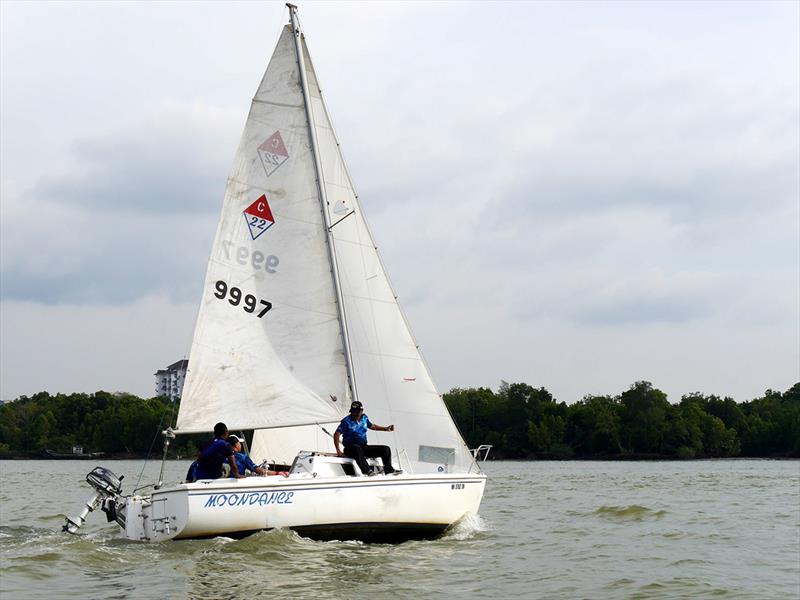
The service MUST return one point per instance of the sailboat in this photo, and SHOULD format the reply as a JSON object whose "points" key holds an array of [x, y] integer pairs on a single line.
{"points": [[297, 320]]}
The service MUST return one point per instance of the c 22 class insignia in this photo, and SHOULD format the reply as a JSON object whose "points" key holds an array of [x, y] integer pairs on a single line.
{"points": [[258, 217], [273, 153]]}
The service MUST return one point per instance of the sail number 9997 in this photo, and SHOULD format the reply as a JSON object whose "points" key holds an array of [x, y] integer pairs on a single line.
{"points": [[235, 298]]}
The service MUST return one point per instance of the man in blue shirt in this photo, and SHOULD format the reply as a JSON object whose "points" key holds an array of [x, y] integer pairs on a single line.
{"points": [[353, 428], [245, 463], [209, 462]]}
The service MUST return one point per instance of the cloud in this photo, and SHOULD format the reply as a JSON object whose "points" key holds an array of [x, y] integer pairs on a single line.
{"points": [[588, 190], [169, 163], [579, 196], [134, 216], [89, 348], [104, 259], [649, 297]]}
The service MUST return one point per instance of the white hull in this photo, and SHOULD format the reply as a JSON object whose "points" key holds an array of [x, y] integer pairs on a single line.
{"points": [[380, 508]]}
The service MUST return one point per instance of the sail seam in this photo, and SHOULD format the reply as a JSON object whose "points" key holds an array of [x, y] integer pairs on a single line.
{"points": [[367, 298], [281, 104], [339, 185], [385, 355], [356, 243]]}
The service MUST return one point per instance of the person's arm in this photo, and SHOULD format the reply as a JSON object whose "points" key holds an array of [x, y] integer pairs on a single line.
{"points": [[234, 469], [375, 427], [255, 468], [251, 466], [337, 436]]}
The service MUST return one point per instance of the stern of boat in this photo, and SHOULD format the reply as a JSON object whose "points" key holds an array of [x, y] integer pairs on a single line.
{"points": [[153, 519]]}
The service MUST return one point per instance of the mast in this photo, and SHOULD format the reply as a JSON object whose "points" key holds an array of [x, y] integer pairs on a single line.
{"points": [[323, 197]]}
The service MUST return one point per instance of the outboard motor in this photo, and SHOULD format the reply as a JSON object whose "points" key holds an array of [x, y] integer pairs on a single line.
{"points": [[108, 488]]}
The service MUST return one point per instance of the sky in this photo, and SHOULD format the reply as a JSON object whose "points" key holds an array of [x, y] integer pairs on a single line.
{"points": [[574, 195]]}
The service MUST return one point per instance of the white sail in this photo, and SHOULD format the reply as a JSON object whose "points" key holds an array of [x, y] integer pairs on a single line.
{"points": [[287, 367], [391, 378], [267, 349], [280, 446]]}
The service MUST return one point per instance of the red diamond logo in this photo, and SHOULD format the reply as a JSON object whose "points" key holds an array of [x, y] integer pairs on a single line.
{"points": [[258, 217]]}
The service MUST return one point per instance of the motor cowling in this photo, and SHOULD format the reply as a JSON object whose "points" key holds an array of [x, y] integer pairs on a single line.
{"points": [[105, 481], [108, 488]]}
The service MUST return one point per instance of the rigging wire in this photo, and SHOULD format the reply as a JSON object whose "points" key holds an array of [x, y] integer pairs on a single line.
{"points": [[171, 409], [171, 421]]}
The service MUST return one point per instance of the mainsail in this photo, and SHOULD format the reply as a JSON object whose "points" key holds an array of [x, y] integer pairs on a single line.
{"points": [[267, 349], [287, 368]]}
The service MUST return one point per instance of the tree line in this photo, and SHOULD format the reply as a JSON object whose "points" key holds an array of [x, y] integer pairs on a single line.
{"points": [[518, 420], [521, 421], [113, 423]]}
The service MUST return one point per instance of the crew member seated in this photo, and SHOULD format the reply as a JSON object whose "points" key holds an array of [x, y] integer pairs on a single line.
{"points": [[353, 432], [210, 458], [244, 463]]}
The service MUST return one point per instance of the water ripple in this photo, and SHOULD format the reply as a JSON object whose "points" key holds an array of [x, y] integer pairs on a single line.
{"points": [[634, 512]]}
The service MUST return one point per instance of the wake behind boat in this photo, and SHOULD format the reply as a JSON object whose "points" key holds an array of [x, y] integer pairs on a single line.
{"points": [[298, 320]]}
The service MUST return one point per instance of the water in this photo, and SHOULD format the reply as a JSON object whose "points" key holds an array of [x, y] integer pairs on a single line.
{"points": [[728, 529]]}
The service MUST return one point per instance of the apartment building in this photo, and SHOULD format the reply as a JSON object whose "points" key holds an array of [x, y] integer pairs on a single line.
{"points": [[169, 381]]}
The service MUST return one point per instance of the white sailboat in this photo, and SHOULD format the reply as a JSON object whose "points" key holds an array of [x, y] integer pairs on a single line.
{"points": [[298, 319]]}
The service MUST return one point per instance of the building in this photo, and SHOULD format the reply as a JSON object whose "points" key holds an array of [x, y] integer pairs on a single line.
{"points": [[169, 381]]}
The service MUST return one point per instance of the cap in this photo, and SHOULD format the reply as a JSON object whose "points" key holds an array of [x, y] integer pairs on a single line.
{"points": [[356, 405], [232, 440]]}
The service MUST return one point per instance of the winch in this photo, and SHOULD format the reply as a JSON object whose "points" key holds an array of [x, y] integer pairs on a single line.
{"points": [[108, 489]]}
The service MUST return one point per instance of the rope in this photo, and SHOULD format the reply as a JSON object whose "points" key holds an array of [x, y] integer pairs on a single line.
{"points": [[153, 443]]}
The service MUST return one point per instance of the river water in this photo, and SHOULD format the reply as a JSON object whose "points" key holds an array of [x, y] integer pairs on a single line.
{"points": [[703, 529]]}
